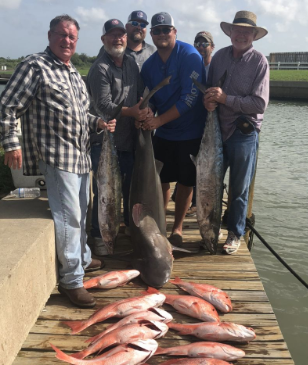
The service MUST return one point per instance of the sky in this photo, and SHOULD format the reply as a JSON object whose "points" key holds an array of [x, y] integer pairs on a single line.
{"points": [[24, 23]]}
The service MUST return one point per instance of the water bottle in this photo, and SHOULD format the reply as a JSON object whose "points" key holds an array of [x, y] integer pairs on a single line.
{"points": [[26, 193]]}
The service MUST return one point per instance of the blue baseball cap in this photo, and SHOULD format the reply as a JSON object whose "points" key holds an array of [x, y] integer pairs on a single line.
{"points": [[138, 15], [113, 24], [162, 19]]}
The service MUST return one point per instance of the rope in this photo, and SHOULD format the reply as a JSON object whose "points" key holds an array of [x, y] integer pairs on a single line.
{"points": [[251, 227], [248, 223]]}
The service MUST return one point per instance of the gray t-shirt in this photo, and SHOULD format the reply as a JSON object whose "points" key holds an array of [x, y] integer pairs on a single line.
{"points": [[141, 56], [108, 85]]}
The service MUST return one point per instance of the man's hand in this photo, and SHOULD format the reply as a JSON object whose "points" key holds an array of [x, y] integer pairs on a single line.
{"points": [[13, 159], [151, 123], [109, 126], [136, 112], [213, 96]]}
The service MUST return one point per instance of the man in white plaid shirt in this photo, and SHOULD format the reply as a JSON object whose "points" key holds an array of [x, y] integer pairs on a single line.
{"points": [[49, 96]]}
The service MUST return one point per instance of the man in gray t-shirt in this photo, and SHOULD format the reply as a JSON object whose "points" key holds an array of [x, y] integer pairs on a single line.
{"points": [[114, 76], [136, 32]]}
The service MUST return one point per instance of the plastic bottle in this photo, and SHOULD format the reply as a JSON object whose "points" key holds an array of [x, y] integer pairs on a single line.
{"points": [[26, 193]]}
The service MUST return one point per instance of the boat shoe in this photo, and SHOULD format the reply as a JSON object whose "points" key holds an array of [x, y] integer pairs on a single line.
{"points": [[80, 297], [232, 244], [95, 265]]}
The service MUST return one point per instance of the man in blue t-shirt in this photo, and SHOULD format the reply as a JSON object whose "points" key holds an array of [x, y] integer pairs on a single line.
{"points": [[180, 117]]}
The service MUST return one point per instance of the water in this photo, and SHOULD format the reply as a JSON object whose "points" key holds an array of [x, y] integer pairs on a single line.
{"points": [[280, 206]]}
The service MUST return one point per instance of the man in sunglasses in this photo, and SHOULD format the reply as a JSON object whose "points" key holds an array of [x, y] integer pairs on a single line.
{"points": [[114, 76], [205, 45], [136, 33], [180, 119]]}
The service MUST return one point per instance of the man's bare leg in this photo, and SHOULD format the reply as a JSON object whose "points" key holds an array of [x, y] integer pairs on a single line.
{"points": [[182, 203], [166, 194]]}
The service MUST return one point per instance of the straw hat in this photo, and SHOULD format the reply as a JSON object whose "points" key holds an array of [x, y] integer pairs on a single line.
{"points": [[244, 19]]}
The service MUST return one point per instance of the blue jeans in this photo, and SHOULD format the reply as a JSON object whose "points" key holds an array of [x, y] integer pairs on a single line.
{"points": [[68, 196], [126, 163], [240, 152]]}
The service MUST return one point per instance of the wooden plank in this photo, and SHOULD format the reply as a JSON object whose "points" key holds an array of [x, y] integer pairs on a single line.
{"points": [[48, 358], [236, 274]]}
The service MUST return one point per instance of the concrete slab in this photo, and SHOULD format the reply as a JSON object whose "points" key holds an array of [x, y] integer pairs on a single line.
{"points": [[27, 269]]}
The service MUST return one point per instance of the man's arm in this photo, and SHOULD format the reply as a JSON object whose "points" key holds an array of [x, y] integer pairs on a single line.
{"points": [[191, 67], [99, 85], [254, 103], [15, 100]]}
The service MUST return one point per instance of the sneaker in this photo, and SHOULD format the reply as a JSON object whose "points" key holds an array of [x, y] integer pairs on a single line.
{"points": [[232, 244], [192, 211], [127, 231], [100, 248]]}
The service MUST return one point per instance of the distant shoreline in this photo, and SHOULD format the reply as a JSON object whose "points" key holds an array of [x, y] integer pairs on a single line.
{"points": [[279, 90]]}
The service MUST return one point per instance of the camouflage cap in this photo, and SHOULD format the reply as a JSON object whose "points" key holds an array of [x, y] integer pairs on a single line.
{"points": [[206, 35]]}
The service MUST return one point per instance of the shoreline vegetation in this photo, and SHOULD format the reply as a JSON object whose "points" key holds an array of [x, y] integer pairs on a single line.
{"points": [[83, 63], [275, 75]]}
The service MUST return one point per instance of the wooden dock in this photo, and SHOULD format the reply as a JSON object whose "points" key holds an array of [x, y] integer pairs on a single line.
{"points": [[236, 274]]}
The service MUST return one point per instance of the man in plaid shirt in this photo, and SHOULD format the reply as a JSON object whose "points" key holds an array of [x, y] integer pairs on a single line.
{"points": [[49, 96]]}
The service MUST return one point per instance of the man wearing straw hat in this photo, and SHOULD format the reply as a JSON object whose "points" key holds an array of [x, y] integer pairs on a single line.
{"points": [[242, 100]]}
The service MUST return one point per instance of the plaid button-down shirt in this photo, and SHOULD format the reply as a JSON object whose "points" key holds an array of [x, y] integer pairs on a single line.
{"points": [[52, 103]]}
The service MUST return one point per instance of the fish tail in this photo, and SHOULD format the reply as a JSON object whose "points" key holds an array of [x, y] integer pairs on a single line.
{"points": [[80, 355], [176, 280], [151, 291], [76, 326], [61, 355]]}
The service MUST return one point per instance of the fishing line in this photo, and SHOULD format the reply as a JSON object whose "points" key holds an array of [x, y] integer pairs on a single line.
{"points": [[251, 227]]}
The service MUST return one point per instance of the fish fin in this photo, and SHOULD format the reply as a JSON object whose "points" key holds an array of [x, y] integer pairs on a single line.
{"points": [[79, 355], [137, 214], [222, 80], [60, 354], [159, 166], [151, 291], [194, 159], [76, 326]]}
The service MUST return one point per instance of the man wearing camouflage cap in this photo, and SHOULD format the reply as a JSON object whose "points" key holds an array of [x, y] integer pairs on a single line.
{"points": [[205, 45]]}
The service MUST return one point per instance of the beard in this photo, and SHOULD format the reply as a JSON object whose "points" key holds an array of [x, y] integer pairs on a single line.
{"points": [[115, 51], [136, 37]]}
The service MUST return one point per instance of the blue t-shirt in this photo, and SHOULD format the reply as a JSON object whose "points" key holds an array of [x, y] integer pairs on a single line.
{"points": [[184, 63]]}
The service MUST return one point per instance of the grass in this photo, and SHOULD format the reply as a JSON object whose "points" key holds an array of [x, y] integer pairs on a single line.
{"points": [[289, 75], [6, 181]]}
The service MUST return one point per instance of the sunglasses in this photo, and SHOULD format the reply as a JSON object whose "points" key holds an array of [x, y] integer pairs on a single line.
{"points": [[201, 44], [137, 24], [158, 31]]}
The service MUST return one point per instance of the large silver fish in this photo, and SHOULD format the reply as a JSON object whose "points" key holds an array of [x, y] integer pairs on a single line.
{"points": [[108, 178], [209, 186], [152, 250]]}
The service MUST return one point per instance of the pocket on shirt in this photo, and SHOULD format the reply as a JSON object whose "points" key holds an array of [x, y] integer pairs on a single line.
{"points": [[57, 95]]}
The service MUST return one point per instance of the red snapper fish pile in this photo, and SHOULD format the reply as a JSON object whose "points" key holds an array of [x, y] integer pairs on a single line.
{"points": [[132, 340]]}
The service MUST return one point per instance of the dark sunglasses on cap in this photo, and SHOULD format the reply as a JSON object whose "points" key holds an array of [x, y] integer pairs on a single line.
{"points": [[201, 44], [137, 24], [158, 31]]}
